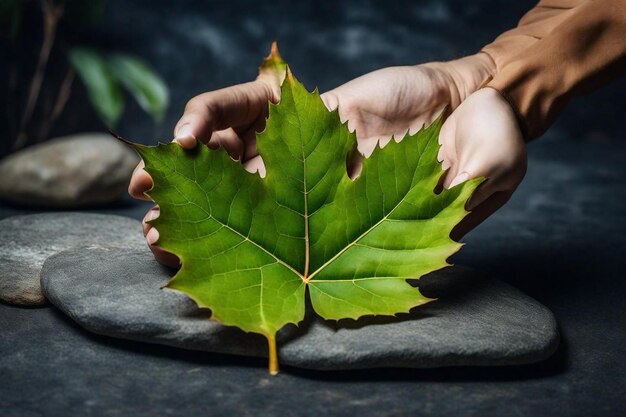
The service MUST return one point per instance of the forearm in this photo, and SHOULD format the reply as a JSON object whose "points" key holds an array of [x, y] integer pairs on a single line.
{"points": [[535, 25], [586, 50]]}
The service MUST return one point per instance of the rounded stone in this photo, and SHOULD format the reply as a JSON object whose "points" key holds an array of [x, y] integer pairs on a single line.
{"points": [[81, 170], [26, 242], [476, 321]]}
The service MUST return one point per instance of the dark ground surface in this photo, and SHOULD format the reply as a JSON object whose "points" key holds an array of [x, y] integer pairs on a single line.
{"points": [[560, 239]]}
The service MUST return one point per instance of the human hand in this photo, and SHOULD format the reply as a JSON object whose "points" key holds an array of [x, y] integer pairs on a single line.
{"points": [[380, 105], [482, 138], [393, 101], [228, 117]]}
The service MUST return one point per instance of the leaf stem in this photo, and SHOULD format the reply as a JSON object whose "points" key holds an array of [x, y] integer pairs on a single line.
{"points": [[273, 355], [307, 255], [59, 105]]}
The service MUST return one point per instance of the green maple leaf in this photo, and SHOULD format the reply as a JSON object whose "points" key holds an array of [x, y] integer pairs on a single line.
{"points": [[250, 246]]}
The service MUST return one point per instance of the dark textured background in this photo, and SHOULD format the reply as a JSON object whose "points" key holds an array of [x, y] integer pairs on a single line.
{"points": [[199, 46], [560, 239]]}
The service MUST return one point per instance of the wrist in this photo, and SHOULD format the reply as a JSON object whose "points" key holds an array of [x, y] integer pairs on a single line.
{"points": [[469, 73], [465, 75], [510, 105]]}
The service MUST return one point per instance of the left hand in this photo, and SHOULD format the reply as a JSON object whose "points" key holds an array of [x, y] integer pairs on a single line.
{"points": [[393, 101]]}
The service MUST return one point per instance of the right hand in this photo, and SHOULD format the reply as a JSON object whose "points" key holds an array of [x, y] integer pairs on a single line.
{"points": [[482, 138], [378, 105]]}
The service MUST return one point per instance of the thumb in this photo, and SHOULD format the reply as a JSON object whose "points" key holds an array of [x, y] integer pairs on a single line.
{"points": [[231, 107], [185, 137], [482, 194], [462, 177]]}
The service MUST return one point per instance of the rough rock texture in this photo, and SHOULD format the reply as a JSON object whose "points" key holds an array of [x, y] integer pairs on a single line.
{"points": [[26, 242], [476, 321], [73, 171]]}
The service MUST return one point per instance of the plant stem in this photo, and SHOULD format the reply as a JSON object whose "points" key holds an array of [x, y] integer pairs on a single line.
{"points": [[59, 105], [51, 15], [12, 99], [273, 355]]}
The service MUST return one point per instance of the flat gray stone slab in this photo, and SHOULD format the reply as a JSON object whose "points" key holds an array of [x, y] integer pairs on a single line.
{"points": [[26, 242], [476, 321]]}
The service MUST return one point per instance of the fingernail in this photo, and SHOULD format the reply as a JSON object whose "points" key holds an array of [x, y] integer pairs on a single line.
{"points": [[153, 214], [462, 177], [445, 165], [184, 136], [184, 131], [152, 236]]}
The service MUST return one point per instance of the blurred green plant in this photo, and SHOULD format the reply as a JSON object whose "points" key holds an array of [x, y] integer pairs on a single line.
{"points": [[104, 76]]}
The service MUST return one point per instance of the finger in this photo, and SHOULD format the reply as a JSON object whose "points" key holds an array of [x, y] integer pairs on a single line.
{"points": [[255, 165], [248, 136], [185, 137], [458, 179], [366, 146], [330, 100], [452, 174], [498, 177], [480, 213], [152, 214], [249, 144], [447, 150], [140, 182], [483, 192], [162, 256], [234, 106], [229, 140]]}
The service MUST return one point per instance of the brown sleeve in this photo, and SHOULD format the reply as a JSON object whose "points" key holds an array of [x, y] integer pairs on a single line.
{"points": [[533, 26], [560, 50]]}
